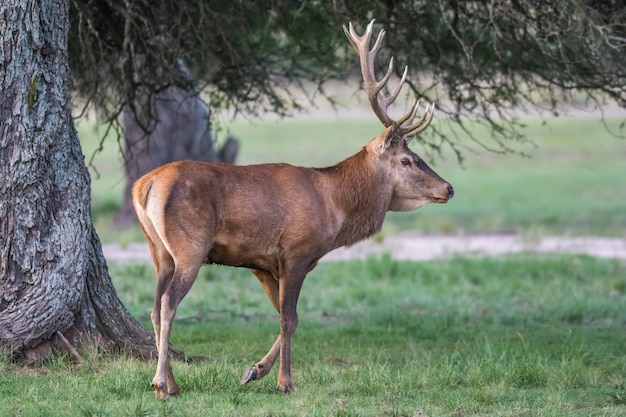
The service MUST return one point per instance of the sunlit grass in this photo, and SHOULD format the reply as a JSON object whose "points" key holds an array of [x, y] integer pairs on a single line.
{"points": [[517, 336]]}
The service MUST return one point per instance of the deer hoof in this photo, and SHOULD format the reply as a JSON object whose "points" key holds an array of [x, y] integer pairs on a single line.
{"points": [[174, 391], [160, 390], [250, 375], [287, 388]]}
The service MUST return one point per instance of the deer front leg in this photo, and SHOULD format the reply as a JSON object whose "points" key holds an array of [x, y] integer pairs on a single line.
{"points": [[264, 366], [284, 295], [289, 292]]}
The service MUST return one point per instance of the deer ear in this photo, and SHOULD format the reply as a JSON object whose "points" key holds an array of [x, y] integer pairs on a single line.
{"points": [[388, 135], [381, 143]]}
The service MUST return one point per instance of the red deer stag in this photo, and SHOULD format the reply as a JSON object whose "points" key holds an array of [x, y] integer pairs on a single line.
{"points": [[278, 219]]}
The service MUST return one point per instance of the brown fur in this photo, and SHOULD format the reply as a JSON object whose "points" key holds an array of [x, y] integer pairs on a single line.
{"points": [[275, 219]]}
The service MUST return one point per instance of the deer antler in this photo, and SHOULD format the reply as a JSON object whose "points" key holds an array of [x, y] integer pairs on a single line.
{"points": [[406, 127]]}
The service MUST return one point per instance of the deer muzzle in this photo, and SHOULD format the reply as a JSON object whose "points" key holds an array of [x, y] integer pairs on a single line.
{"points": [[444, 193]]}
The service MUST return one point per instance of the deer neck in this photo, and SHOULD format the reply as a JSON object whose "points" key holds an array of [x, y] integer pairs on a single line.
{"points": [[361, 195]]}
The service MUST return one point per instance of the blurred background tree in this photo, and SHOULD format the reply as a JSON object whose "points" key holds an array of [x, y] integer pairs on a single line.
{"points": [[480, 61]]}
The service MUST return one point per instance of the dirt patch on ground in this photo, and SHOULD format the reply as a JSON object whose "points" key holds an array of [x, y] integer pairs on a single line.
{"points": [[417, 247]]}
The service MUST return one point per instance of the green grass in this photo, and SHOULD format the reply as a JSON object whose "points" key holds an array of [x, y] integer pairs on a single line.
{"points": [[573, 183], [516, 336]]}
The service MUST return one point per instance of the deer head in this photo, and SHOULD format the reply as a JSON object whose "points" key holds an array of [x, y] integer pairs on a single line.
{"points": [[414, 183]]}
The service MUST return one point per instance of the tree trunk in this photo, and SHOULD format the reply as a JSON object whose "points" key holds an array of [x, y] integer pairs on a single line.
{"points": [[53, 275], [172, 125]]}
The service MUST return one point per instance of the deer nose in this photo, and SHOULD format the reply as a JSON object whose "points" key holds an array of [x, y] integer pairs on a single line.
{"points": [[450, 191]]}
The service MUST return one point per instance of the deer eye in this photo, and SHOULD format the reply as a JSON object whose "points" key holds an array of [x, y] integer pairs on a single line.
{"points": [[405, 161]]}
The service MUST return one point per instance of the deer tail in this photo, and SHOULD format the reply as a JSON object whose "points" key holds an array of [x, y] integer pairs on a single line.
{"points": [[141, 191]]}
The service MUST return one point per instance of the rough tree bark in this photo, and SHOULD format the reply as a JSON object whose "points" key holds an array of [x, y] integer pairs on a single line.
{"points": [[171, 126], [53, 275]]}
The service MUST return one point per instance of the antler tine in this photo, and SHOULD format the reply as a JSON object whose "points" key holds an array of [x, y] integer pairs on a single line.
{"points": [[394, 94], [410, 115], [418, 127]]}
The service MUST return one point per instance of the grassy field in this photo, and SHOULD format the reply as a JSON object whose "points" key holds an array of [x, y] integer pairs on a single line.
{"points": [[572, 183], [513, 336], [518, 336]]}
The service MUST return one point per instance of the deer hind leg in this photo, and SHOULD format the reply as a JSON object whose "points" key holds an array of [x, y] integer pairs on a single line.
{"points": [[164, 267], [164, 277], [264, 366], [180, 283]]}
